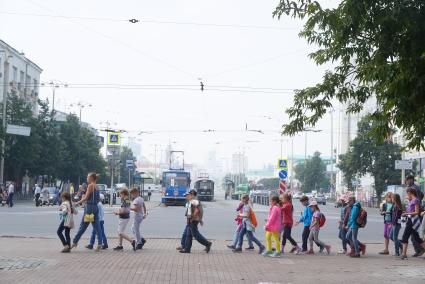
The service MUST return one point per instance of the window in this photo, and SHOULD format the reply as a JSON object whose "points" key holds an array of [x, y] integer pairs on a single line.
{"points": [[14, 74], [27, 82], [21, 80], [35, 87]]}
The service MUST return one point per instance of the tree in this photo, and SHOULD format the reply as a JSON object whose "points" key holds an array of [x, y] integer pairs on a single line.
{"points": [[377, 49], [21, 152], [369, 156], [312, 174]]}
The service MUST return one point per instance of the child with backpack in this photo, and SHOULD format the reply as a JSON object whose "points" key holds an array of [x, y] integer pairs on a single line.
{"points": [[249, 223], [238, 220], [306, 217], [342, 231], [287, 222], [318, 220], [66, 212], [356, 219], [273, 227], [386, 211]]}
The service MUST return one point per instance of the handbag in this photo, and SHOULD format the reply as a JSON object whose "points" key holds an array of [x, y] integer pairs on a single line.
{"points": [[89, 216]]}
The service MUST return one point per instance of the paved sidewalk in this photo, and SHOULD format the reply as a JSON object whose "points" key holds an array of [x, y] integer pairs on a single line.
{"points": [[37, 260]]}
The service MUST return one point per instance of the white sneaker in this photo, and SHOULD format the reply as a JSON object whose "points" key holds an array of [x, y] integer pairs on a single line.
{"points": [[341, 251]]}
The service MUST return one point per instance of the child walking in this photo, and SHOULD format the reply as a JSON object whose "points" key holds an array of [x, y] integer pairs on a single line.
{"points": [[386, 211], [248, 227], [287, 222], [139, 208], [238, 220], [102, 226], [66, 222], [396, 225], [306, 218], [273, 227], [123, 219], [315, 229]]}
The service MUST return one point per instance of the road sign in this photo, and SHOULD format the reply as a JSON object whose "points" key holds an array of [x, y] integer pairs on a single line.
{"points": [[18, 130], [282, 164], [283, 174], [282, 186], [114, 138], [129, 164], [403, 164]]}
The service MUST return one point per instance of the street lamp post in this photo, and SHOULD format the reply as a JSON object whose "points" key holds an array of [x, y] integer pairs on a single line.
{"points": [[55, 84], [81, 106]]}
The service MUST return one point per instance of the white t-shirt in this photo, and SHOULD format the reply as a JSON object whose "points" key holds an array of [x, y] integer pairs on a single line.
{"points": [[11, 189], [37, 190], [138, 203]]}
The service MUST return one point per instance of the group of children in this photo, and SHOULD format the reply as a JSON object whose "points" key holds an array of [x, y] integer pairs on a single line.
{"points": [[395, 216], [279, 226], [130, 201]]}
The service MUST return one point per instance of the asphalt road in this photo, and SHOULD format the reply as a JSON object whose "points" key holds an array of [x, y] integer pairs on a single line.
{"points": [[26, 220]]}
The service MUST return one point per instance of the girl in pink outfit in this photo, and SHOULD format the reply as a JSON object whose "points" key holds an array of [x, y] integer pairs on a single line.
{"points": [[273, 227]]}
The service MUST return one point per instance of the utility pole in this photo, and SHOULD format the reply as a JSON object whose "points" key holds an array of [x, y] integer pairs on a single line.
{"points": [[332, 149]]}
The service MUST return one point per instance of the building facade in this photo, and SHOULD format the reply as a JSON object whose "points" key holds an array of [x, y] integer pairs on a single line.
{"points": [[19, 75]]}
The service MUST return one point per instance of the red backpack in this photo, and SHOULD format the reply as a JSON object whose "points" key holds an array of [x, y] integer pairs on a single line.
{"points": [[362, 218], [322, 220]]}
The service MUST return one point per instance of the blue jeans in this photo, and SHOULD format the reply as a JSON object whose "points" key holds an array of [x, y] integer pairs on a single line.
{"points": [[10, 199], [84, 226], [236, 238], [352, 238], [102, 233], [343, 236], [193, 232], [250, 236], [395, 230], [184, 236]]}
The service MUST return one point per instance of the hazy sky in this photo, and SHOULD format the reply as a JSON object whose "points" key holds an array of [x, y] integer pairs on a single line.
{"points": [[228, 59]]}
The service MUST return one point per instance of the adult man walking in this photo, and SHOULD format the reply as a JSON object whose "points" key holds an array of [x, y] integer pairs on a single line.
{"points": [[194, 214], [37, 193], [10, 193]]}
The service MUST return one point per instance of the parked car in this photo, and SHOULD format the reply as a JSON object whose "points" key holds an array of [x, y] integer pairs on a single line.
{"points": [[52, 196], [321, 199], [297, 195]]}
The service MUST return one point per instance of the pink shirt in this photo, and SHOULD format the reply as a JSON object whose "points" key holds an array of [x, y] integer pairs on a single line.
{"points": [[274, 222]]}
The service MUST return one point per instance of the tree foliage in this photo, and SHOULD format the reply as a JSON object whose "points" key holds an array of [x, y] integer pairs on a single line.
{"points": [[269, 183], [378, 50], [312, 174], [59, 150], [369, 156]]}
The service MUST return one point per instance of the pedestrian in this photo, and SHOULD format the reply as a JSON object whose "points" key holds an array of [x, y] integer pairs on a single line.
{"points": [[347, 219], [287, 223], [273, 227], [412, 216], [315, 229], [238, 220], [10, 193], [249, 222], [342, 230], [194, 217], [37, 193], [91, 211], [396, 225], [183, 238], [410, 182], [123, 219], [102, 226], [306, 218], [386, 212], [45, 196], [66, 213], [353, 228], [149, 194], [139, 208], [71, 190]]}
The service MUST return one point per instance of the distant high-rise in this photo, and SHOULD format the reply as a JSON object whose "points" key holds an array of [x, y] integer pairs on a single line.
{"points": [[239, 163]]}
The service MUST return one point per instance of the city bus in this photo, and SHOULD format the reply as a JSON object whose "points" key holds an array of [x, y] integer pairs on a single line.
{"points": [[174, 184], [205, 189]]}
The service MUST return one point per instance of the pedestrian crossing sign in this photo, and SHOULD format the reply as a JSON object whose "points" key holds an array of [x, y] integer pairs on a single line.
{"points": [[114, 138], [282, 164]]}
